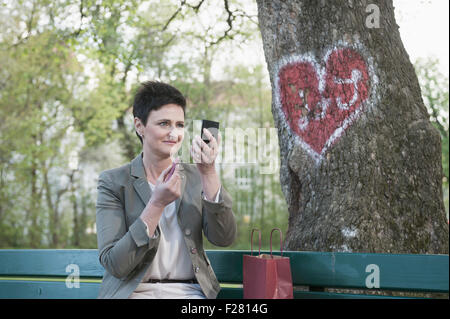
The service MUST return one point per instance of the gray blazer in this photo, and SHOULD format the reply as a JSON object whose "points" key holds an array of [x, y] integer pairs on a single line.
{"points": [[125, 250]]}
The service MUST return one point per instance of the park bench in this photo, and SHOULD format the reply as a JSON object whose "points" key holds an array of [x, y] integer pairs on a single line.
{"points": [[43, 273]]}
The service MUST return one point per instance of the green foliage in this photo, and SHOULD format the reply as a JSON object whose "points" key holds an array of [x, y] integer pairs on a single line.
{"points": [[66, 86]]}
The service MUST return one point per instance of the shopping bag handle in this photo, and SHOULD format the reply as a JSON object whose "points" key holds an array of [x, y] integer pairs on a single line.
{"points": [[281, 241], [259, 237]]}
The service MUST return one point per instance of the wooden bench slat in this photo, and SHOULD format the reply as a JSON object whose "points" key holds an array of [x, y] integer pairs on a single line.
{"points": [[231, 293], [348, 270], [12, 289], [58, 290], [332, 295], [397, 272], [49, 262], [238, 293], [320, 269]]}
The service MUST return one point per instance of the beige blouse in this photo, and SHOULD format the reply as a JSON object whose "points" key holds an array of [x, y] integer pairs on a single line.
{"points": [[172, 260]]}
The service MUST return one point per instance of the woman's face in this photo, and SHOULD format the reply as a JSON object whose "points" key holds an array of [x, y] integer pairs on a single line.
{"points": [[164, 132]]}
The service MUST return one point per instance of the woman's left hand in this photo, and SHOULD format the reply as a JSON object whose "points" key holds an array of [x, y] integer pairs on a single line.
{"points": [[204, 155]]}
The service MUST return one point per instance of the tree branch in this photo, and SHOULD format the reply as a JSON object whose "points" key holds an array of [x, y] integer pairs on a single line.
{"points": [[173, 16], [230, 20], [82, 15], [183, 3]]}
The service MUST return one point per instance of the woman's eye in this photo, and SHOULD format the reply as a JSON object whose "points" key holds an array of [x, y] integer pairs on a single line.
{"points": [[167, 123]]}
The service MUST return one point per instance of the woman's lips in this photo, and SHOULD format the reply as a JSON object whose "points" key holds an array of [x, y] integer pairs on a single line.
{"points": [[172, 143]]}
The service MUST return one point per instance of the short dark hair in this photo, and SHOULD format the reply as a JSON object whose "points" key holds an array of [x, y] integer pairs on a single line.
{"points": [[151, 96]]}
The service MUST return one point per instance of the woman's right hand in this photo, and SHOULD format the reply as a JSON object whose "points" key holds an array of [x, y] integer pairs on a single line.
{"points": [[166, 191]]}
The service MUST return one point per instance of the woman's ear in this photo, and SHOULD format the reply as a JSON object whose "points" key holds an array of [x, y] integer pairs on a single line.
{"points": [[138, 126]]}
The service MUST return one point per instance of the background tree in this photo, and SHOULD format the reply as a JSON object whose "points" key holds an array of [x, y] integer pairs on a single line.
{"points": [[361, 163], [68, 73], [39, 73]]}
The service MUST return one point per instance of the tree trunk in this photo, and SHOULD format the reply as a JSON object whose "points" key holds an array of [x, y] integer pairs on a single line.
{"points": [[52, 213], [31, 216], [361, 163], [76, 222], [76, 219]]}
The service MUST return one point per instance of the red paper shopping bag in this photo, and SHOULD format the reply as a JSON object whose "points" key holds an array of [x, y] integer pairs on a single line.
{"points": [[267, 276]]}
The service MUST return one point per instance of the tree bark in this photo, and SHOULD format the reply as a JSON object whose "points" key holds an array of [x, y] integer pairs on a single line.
{"points": [[361, 163]]}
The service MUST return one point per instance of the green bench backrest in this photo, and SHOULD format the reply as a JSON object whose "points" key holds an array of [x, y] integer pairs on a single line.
{"points": [[405, 272]]}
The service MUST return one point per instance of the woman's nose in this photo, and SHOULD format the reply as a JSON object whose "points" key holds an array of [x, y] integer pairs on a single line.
{"points": [[174, 132]]}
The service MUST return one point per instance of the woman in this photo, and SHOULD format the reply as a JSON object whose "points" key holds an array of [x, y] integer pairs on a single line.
{"points": [[149, 224]]}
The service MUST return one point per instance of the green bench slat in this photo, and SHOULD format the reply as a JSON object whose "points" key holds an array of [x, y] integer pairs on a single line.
{"points": [[12, 289], [231, 293], [238, 293], [49, 262], [320, 269], [348, 270], [331, 295]]}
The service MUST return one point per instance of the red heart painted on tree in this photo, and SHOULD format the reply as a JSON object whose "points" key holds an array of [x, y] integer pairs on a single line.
{"points": [[319, 106]]}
